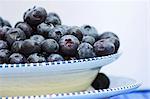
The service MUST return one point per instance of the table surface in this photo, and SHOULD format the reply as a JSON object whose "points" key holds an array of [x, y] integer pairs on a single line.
{"points": [[140, 94]]}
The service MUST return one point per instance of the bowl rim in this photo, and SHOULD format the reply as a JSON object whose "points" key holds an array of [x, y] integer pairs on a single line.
{"points": [[2, 66]]}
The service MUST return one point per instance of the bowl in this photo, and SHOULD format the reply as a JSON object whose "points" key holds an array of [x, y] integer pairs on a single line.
{"points": [[51, 77]]}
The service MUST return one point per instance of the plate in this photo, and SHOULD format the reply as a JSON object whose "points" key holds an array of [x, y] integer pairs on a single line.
{"points": [[118, 85]]}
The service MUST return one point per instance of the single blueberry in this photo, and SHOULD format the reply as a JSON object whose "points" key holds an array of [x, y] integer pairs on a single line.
{"points": [[68, 45], [17, 58], [89, 30], [36, 58], [85, 50], [55, 57], [35, 16], [104, 47], [50, 46], [101, 82], [14, 34]]}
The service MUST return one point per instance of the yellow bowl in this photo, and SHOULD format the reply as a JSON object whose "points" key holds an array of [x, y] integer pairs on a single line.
{"points": [[50, 77]]}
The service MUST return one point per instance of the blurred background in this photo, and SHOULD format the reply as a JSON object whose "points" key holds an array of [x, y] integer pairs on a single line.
{"points": [[129, 19]]}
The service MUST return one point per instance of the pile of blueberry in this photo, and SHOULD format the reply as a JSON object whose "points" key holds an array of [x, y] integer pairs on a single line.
{"points": [[41, 37]]}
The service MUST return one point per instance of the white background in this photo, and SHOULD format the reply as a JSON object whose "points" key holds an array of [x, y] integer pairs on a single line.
{"points": [[128, 19]]}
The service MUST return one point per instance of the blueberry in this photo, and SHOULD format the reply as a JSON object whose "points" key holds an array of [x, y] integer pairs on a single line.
{"points": [[104, 47], [50, 46], [6, 23], [17, 58], [14, 34], [24, 27], [43, 29], [53, 18], [112, 37], [35, 16], [76, 31], [37, 38], [89, 31], [4, 55], [116, 42], [85, 50], [55, 57], [36, 58], [56, 33], [101, 82], [68, 45], [88, 39], [30, 46], [16, 46], [3, 44]]}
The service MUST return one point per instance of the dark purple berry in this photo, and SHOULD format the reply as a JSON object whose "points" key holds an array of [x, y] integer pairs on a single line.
{"points": [[4, 55], [43, 29], [89, 31], [116, 42], [36, 58], [88, 39], [76, 31], [35, 16], [55, 57], [53, 18], [30, 46], [112, 37], [104, 47], [85, 50], [25, 27], [14, 34], [17, 58], [101, 82], [37, 38], [16, 46], [50, 46], [56, 33], [3, 44], [68, 45]]}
